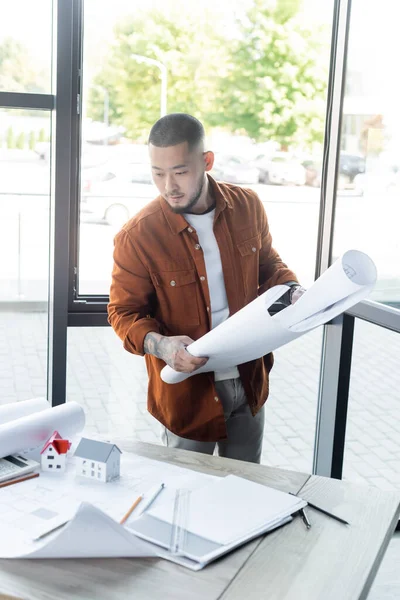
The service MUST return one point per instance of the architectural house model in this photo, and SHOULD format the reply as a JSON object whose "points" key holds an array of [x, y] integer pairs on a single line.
{"points": [[54, 452], [97, 460]]}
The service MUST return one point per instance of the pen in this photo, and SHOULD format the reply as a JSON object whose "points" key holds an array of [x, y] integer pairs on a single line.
{"points": [[153, 497], [327, 513], [322, 510], [12, 481], [306, 520]]}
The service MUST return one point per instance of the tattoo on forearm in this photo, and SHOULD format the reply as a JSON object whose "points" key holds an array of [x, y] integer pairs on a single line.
{"points": [[156, 346], [151, 344]]}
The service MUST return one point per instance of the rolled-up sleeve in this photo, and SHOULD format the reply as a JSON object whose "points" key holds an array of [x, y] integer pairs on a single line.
{"points": [[132, 296]]}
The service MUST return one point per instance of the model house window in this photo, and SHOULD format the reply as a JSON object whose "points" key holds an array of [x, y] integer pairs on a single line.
{"points": [[50, 466], [99, 475], [58, 466], [50, 458], [93, 474], [92, 465]]}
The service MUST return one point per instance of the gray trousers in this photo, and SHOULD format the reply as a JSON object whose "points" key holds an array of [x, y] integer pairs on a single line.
{"points": [[245, 432]]}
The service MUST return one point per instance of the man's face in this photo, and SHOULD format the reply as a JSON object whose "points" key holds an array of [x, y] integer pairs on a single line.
{"points": [[179, 174]]}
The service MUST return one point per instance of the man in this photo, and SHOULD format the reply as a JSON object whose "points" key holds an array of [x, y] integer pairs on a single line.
{"points": [[195, 255]]}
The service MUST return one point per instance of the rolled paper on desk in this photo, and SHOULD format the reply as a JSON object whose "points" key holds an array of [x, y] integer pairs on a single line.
{"points": [[16, 410], [252, 332], [30, 432]]}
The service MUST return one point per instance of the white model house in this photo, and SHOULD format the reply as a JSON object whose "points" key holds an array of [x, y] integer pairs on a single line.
{"points": [[97, 460], [54, 453]]}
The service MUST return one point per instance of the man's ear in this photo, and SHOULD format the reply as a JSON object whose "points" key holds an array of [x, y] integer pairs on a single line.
{"points": [[208, 160]]}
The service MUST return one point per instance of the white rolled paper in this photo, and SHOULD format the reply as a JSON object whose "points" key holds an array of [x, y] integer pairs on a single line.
{"points": [[31, 431], [16, 410], [252, 333]]}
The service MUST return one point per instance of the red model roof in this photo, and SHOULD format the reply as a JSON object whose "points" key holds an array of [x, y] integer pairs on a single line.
{"points": [[60, 446]]}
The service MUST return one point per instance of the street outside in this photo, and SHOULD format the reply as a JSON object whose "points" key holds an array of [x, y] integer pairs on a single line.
{"points": [[367, 223]]}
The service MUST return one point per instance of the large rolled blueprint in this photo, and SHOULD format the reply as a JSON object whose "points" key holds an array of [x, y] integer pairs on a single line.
{"points": [[16, 410], [33, 430], [252, 332]]}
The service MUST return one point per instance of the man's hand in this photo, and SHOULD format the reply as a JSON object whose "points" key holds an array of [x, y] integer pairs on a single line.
{"points": [[173, 351], [296, 291]]}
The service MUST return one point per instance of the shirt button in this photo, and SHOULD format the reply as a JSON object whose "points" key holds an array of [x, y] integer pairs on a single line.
{"points": [[197, 246], [202, 278], [190, 230], [216, 398], [254, 249], [172, 282]]}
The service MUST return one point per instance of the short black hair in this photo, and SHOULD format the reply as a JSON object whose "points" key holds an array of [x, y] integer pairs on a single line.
{"points": [[177, 128]]}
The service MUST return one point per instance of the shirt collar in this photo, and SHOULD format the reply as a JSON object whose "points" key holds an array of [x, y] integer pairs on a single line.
{"points": [[178, 222]]}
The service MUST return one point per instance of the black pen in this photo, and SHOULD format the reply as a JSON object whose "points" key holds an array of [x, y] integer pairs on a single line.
{"points": [[322, 510]]}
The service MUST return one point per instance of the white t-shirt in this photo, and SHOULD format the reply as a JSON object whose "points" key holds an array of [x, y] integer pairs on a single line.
{"points": [[203, 225]]}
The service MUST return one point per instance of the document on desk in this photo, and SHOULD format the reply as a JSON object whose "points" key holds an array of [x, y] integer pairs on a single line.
{"points": [[348, 281], [217, 520]]}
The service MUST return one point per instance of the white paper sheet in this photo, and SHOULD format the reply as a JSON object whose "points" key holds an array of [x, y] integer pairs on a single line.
{"points": [[216, 510], [252, 332], [27, 433], [16, 410], [30, 509]]}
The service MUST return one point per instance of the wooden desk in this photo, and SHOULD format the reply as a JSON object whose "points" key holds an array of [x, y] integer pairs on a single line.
{"points": [[331, 561]]}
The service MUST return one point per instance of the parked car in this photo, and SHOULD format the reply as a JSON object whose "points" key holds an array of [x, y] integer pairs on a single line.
{"points": [[116, 196], [280, 170], [234, 169], [350, 165], [313, 170]]}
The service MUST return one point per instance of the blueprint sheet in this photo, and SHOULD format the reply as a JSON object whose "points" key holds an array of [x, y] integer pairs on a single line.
{"points": [[252, 332], [32, 508]]}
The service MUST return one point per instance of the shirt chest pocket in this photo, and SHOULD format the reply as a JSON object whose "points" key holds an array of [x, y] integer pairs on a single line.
{"points": [[177, 298], [249, 251]]}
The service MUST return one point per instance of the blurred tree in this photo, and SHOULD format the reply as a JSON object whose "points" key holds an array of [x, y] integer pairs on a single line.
{"points": [[10, 138], [264, 77], [17, 71], [276, 84], [42, 136], [194, 54], [32, 140], [20, 141]]}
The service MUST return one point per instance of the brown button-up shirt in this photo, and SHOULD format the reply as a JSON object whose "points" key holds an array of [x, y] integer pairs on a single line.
{"points": [[156, 286]]}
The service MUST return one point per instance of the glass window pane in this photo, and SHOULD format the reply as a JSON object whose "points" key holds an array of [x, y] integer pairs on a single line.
{"points": [[372, 451], [26, 46], [24, 247], [368, 207], [254, 73]]}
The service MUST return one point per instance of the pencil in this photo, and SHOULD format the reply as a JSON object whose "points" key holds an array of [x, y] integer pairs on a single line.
{"points": [[132, 508], [322, 510], [12, 481]]}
